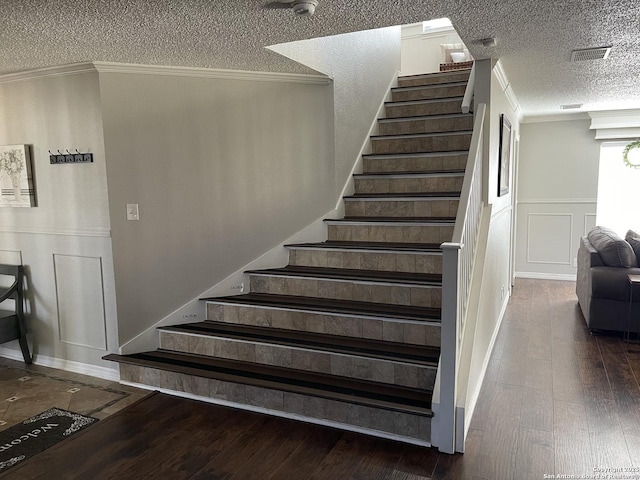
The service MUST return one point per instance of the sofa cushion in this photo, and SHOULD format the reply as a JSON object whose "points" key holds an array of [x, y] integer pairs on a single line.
{"points": [[633, 239], [614, 251], [612, 283]]}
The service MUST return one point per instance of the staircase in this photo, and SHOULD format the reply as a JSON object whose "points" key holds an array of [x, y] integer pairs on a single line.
{"points": [[349, 331]]}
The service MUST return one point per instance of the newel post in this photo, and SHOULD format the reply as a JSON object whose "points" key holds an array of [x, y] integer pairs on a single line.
{"points": [[449, 346]]}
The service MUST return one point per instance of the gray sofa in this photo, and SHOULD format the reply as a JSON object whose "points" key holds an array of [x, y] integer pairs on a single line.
{"points": [[602, 285]]}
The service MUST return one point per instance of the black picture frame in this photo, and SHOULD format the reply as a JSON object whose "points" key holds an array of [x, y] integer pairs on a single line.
{"points": [[504, 156]]}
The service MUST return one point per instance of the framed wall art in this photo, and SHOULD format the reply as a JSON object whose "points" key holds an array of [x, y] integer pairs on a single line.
{"points": [[16, 180], [504, 156]]}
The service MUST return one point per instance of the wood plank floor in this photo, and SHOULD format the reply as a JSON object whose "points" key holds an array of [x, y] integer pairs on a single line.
{"points": [[555, 400]]}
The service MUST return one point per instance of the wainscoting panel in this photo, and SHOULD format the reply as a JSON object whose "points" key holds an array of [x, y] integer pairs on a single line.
{"points": [[80, 299], [555, 229], [589, 222], [11, 257], [548, 236]]}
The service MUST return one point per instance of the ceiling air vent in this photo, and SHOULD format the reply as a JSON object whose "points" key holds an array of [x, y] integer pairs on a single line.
{"points": [[599, 53], [570, 106]]}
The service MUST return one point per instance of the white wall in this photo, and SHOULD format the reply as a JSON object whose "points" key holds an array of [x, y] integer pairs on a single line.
{"points": [[64, 242], [362, 65], [222, 169], [495, 284], [421, 52], [557, 190]]}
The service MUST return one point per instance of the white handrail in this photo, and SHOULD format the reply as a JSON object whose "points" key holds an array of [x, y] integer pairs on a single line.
{"points": [[468, 93], [457, 268]]}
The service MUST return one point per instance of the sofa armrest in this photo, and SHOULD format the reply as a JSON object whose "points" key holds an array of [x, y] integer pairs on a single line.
{"points": [[588, 257]]}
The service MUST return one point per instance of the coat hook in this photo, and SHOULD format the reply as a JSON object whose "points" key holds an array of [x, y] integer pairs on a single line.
{"points": [[59, 152]]}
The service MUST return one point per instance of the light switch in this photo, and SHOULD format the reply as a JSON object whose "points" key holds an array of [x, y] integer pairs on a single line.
{"points": [[132, 211]]}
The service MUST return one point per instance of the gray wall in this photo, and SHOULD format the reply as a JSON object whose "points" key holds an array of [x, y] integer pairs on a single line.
{"points": [[557, 190], [223, 170], [362, 65], [64, 242]]}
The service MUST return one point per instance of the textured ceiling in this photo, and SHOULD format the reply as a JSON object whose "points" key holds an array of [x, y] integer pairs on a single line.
{"points": [[534, 37]]}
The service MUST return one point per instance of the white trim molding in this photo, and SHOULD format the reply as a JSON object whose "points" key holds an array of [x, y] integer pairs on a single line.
{"points": [[111, 67], [613, 124], [547, 276], [192, 72], [62, 364], [550, 201], [501, 75], [69, 232], [557, 117], [58, 71]]}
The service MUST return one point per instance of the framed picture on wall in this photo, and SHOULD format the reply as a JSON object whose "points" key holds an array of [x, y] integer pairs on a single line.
{"points": [[504, 156], [16, 181]]}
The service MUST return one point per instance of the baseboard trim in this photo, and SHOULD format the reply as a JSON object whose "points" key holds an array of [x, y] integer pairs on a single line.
{"points": [[547, 276], [278, 413], [62, 364]]}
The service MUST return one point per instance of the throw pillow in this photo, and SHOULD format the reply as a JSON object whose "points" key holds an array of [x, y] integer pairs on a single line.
{"points": [[458, 57], [615, 251], [633, 239]]}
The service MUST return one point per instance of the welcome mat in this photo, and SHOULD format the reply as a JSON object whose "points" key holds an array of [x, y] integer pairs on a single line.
{"points": [[38, 433]]}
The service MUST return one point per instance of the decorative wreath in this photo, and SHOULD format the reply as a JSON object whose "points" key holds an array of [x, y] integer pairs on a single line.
{"points": [[625, 154]]}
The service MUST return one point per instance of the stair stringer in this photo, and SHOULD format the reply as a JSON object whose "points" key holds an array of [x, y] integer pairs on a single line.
{"points": [[278, 255]]}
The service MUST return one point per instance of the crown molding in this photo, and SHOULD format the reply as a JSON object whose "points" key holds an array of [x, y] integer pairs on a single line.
{"points": [[556, 117], [193, 72], [501, 75], [57, 71]]}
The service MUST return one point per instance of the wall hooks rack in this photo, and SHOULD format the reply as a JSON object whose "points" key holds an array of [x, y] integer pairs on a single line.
{"points": [[68, 157]]}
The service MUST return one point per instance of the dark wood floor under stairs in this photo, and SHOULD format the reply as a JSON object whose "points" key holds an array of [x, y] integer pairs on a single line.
{"points": [[349, 331], [555, 401]]}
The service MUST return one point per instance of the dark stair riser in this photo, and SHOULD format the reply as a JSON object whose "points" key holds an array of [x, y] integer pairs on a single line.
{"points": [[387, 421], [274, 354], [428, 92], [426, 125], [420, 143]]}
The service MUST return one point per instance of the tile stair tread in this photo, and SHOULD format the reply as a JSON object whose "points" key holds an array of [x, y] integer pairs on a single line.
{"points": [[421, 118], [362, 347], [429, 173], [375, 246], [402, 219], [346, 389], [353, 275], [450, 195], [331, 306], [396, 220]]}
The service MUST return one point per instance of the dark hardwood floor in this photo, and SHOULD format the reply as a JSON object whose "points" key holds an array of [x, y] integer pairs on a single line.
{"points": [[555, 400]]}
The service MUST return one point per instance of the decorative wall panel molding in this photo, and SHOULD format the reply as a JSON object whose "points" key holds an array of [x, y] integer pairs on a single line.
{"points": [[72, 232], [549, 238], [80, 298], [589, 222], [11, 257]]}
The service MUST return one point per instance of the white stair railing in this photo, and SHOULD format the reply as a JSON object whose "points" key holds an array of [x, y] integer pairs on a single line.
{"points": [[457, 268], [468, 93]]}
